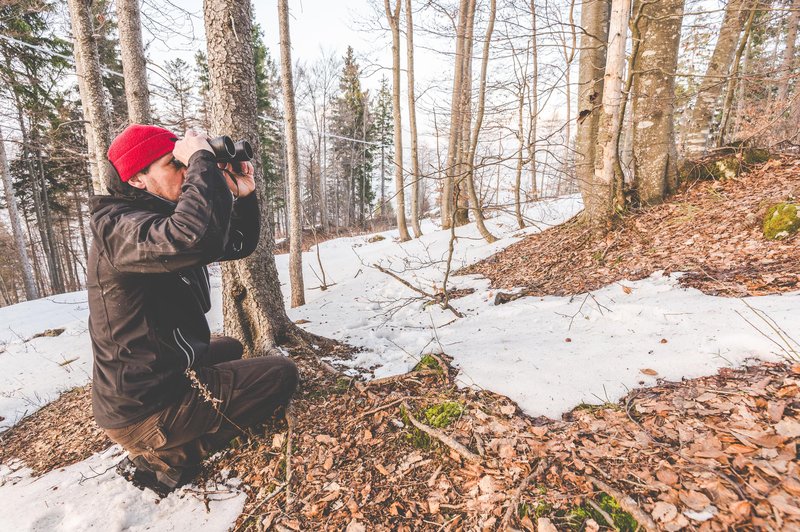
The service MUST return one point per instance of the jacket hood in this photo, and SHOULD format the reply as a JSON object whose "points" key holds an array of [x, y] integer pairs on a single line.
{"points": [[120, 192]]}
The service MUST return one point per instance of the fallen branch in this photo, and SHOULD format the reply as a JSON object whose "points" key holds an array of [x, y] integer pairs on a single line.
{"points": [[442, 437], [541, 467], [438, 299], [402, 376], [382, 407], [290, 423], [608, 519], [626, 503]]}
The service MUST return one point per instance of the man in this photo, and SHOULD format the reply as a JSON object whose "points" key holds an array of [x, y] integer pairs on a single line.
{"points": [[163, 388]]}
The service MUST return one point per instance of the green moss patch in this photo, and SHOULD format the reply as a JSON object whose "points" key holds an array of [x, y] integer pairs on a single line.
{"points": [[575, 518], [781, 221], [427, 362], [443, 414]]}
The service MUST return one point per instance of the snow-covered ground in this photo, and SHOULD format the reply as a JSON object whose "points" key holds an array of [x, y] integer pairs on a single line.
{"points": [[548, 354]]}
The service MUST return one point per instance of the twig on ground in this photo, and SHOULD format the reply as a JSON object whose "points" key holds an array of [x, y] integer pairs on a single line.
{"points": [[434, 298], [290, 430], [441, 436], [402, 376], [382, 407], [626, 503], [541, 467], [608, 519]]}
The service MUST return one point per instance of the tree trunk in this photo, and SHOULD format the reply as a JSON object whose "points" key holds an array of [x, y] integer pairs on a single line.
{"points": [[31, 291], [394, 23], [290, 132], [594, 22], [461, 186], [134, 65], [717, 72], [455, 120], [654, 151], [787, 66], [476, 130], [733, 81], [88, 66], [253, 308], [533, 101], [412, 118], [600, 205]]}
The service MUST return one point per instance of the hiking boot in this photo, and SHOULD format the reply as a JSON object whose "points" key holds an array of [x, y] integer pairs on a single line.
{"points": [[142, 475]]}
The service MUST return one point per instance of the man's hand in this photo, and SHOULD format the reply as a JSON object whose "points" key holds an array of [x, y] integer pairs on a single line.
{"points": [[189, 145], [240, 183]]}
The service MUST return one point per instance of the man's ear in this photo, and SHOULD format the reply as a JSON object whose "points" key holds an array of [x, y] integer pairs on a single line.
{"points": [[136, 181]]}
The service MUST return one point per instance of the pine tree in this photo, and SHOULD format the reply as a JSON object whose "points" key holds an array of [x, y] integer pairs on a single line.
{"points": [[351, 119], [384, 137], [178, 102]]}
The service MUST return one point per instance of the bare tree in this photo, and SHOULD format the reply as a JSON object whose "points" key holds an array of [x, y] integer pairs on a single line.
{"points": [[600, 205], [788, 61], [134, 65], [594, 21], [293, 160], [31, 291], [253, 307], [394, 23], [654, 151], [716, 74], [412, 118], [88, 67]]}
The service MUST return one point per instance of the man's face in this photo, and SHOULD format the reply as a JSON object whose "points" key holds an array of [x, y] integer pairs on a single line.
{"points": [[164, 178]]}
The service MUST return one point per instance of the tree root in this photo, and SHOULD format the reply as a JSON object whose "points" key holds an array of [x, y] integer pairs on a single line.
{"points": [[442, 437]]}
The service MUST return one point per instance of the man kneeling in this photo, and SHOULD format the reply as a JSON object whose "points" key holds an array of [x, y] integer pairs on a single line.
{"points": [[172, 210]]}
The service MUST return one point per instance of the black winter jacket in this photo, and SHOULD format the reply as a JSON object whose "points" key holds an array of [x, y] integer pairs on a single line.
{"points": [[149, 287]]}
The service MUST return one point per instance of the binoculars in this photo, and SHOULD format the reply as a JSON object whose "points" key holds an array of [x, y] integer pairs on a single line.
{"points": [[227, 151]]}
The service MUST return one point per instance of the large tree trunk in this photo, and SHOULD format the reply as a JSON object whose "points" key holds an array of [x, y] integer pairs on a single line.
{"points": [[253, 308], [293, 156], [714, 80], [455, 119], [461, 186], [394, 24], [16, 226], [654, 151], [476, 129], [134, 65], [88, 66], [599, 205], [787, 66], [733, 81], [594, 22], [412, 118]]}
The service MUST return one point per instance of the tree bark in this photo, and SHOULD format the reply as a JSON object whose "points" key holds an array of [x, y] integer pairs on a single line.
{"points": [[476, 130], [290, 132], [461, 186], [31, 291], [412, 118], [600, 205], [654, 150], [88, 66], [733, 81], [787, 64], [533, 102], [134, 65], [455, 120], [253, 308], [394, 24], [716, 74], [594, 22]]}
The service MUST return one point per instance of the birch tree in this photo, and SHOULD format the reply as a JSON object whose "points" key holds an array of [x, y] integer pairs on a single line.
{"points": [[393, 16], [654, 150], [93, 97], [293, 160], [252, 303], [412, 118], [714, 80], [788, 60], [134, 65], [599, 204], [31, 292]]}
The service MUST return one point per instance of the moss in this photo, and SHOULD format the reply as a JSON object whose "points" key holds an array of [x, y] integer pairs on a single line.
{"points": [[414, 436], [781, 221], [755, 156], [343, 384], [576, 517], [427, 362], [728, 164], [443, 414]]}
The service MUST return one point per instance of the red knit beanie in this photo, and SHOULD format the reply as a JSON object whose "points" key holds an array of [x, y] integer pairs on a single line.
{"points": [[138, 147]]}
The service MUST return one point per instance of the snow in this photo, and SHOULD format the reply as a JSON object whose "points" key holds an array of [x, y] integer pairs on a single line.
{"points": [[549, 354], [90, 494]]}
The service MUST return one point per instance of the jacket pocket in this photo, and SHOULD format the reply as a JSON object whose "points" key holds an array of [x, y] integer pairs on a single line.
{"points": [[146, 435]]}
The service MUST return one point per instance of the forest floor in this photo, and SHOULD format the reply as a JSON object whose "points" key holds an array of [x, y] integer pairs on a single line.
{"points": [[417, 451]]}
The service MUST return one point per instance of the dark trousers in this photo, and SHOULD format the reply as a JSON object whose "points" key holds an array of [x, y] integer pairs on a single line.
{"points": [[241, 393]]}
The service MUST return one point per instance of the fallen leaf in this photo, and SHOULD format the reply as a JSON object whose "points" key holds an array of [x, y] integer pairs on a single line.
{"points": [[740, 509], [543, 524], [788, 428], [626, 289], [694, 500], [648, 371], [663, 340], [664, 511], [667, 476]]}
